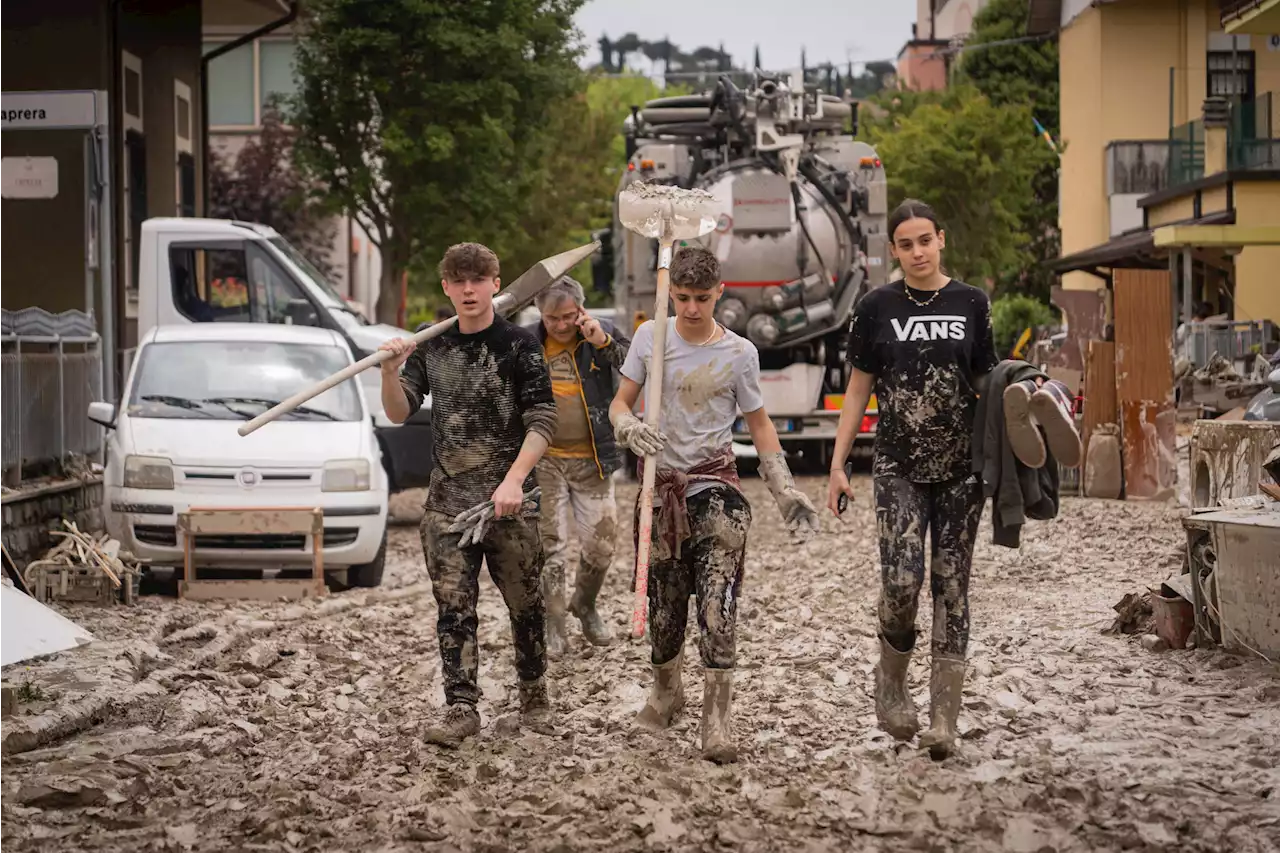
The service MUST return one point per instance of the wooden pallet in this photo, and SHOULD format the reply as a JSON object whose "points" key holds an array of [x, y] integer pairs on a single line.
{"points": [[201, 521]]}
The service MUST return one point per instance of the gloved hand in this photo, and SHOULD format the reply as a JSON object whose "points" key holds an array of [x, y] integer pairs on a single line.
{"points": [[637, 436], [473, 523], [798, 512]]}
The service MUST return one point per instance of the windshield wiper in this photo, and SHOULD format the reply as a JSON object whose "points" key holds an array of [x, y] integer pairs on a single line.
{"points": [[263, 401], [180, 402]]}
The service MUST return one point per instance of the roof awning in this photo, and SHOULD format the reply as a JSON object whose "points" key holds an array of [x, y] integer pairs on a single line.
{"points": [[1137, 250]]}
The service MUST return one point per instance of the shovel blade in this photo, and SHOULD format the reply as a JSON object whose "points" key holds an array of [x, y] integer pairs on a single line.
{"points": [[667, 212], [539, 277]]}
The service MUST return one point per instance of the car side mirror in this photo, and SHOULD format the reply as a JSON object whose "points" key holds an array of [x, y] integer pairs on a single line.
{"points": [[103, 413], [301, 312]]}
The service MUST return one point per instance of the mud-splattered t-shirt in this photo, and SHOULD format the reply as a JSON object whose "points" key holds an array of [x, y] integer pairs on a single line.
{"points": [[488, 389], [925, 361], [703, 389]]}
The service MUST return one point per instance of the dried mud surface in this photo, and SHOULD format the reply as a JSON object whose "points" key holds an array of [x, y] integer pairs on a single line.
{"points": [[297, 727]]}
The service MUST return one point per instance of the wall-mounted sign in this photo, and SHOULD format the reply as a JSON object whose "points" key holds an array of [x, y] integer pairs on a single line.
{"points": [[1273, 42], [29, 177], [47, 110]]}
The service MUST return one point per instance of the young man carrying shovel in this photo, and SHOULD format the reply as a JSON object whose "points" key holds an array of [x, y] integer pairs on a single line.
{"points": [[493, 416], [575, 475], [701, 515]]}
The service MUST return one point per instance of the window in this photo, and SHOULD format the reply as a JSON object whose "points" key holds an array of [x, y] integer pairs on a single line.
{"points": [[1225, 82], [185, 183], [243, 81], [235, 282]]}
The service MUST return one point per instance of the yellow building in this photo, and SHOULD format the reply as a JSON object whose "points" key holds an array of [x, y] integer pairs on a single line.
{"points": [[1136, 77]]}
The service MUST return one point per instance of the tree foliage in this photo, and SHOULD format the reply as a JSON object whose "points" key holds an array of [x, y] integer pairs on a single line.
{"points": [[572, 195], [427, 118], [1023, 73], [973, 162], [1012, 314], [261, 183]]}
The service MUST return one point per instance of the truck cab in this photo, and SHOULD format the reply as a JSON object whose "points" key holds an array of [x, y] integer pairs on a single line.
{"points": [[218, 270]]}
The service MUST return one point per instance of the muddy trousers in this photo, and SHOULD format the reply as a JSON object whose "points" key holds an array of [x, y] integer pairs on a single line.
{"points": [[905, 511], [575, 499], [710, 567], [513, 551]]}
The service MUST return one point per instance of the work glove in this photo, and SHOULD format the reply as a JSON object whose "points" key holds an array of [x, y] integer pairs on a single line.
{"points": [[798, 513], [473, 523], [637, 436]]}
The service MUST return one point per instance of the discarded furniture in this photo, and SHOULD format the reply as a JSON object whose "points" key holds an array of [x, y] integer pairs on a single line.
{"points": [[83, 568], [1227, 459], [1235, 578], [228, 523]]}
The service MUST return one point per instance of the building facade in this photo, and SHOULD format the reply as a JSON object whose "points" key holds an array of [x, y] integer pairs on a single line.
{"points": [[924, 64], [242, 82], [1136, 79]]}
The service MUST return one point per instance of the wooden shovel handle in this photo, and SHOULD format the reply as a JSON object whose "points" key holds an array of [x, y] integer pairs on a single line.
{"points": [[652, 408]]}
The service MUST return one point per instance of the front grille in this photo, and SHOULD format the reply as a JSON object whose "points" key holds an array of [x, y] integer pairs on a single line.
{"points": [[167, 537]]}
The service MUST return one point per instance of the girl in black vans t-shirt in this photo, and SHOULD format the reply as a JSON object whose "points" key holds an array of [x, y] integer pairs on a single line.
{"points": [[921, 344]]}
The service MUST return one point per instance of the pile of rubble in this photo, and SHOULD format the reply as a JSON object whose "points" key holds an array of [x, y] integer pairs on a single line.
{"points": [[84, 568]]}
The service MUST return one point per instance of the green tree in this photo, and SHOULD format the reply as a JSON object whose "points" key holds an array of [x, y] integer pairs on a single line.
{"points": [[261, 183], [1022, 73], [973, 162], [423, 117], [1013, 314]]}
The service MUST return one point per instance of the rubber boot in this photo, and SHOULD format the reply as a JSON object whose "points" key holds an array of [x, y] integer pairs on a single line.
{"points": [[557, 632], [535, 707], [666, 697], [946, 683], [717, 701], [895, 709], [583, 604], [459, 722]]}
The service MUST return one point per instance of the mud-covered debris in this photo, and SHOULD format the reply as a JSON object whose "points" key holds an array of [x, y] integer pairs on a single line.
{"points": [[1135, 617], [1154, 644]]}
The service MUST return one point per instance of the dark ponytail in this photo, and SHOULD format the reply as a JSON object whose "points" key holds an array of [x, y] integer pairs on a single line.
{"points": [[912, 209]]}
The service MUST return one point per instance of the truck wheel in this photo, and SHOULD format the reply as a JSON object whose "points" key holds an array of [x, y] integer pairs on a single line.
{"points": [[370, 574]]}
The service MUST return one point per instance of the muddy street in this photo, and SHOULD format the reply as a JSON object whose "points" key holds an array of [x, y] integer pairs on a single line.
{"points": [[297, 726]]}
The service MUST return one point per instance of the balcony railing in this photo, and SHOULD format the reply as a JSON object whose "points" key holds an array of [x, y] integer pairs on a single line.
{"points": [[1229, 10], [1251, 135], [1186, 153], [1137, 166]]}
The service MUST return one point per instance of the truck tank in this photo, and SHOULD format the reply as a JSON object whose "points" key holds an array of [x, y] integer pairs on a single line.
{"points": [[801, 233]]}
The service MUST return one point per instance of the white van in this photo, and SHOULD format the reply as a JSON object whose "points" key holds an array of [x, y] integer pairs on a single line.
{"points": [[220, 270]]}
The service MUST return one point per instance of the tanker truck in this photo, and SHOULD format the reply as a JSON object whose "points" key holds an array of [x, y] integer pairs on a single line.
{"points": [[800, 235]]}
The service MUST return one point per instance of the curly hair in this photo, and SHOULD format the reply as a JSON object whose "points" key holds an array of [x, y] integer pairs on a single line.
{"points": [[468, 260], [695, 268]]}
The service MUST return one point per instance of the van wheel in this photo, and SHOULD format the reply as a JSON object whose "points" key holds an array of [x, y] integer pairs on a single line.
{"points": [[370, 574]]}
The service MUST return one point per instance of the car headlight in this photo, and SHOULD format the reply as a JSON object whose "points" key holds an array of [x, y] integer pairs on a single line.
{"points": [[148, 472], [345, 475]]}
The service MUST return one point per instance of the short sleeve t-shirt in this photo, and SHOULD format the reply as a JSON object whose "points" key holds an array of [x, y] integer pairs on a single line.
{"points": [[925, 360], [703, 389]]}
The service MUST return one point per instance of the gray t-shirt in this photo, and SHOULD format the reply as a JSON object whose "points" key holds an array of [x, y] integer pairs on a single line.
{"points": [[703, 390]]}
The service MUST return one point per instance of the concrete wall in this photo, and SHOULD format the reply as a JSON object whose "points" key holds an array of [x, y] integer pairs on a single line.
{"points": [[57, 44], [29, 518], [165, 36], [1257, 291]]}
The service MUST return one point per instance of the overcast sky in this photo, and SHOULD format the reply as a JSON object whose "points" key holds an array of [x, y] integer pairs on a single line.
{"points": [[828, 30]]}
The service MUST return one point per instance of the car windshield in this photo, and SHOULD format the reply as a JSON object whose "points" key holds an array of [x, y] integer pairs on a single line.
{"points": [[238, 380]]}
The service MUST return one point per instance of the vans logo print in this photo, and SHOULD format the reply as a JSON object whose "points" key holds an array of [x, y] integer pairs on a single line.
{"points": [[937, 327]]}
